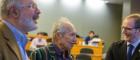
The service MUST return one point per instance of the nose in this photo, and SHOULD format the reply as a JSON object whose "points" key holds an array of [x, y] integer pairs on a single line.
{"points": [[74, 40], [38, 11], [124, 31]]}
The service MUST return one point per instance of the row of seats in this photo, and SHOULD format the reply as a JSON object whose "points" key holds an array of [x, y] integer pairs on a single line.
{"points": [[85, 54], [80, 52]]}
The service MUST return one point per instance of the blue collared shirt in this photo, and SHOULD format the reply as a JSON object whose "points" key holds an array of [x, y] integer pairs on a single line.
{"points": [[135, 44], [20, 38]]}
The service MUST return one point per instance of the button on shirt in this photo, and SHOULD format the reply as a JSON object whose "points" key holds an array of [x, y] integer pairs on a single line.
{"points": [[20, 38]]}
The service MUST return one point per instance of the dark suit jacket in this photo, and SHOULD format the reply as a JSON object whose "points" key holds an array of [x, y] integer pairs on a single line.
{"points": [[9, 49], [118, 51]]}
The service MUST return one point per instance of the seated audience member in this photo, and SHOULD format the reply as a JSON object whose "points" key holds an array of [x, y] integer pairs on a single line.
{"points": [[39, 41], [90, 36], [95, 41]]}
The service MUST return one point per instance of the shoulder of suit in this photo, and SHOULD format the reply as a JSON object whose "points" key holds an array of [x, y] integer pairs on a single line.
{"points": [[119, 43]]}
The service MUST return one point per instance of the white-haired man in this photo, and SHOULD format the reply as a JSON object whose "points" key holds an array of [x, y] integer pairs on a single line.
{"points": [[63, 38], [18, 18]]}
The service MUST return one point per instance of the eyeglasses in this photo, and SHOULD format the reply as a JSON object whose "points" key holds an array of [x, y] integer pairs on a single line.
{"points": [[31, 5], [127, 28]]}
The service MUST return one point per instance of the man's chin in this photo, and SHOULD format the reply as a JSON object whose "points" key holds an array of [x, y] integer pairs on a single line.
{"points": [[32, 29], [127, 39]]}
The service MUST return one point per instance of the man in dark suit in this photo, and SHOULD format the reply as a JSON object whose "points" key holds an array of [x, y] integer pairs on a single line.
{"points": [[129, 47], [18, 18]]}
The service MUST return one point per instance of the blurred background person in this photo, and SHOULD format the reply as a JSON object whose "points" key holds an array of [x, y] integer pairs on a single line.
{"points": [[95, 41], [39, 41], [90, 36]]}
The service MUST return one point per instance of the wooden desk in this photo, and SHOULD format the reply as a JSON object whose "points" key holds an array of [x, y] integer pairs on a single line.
{"points": [[97, 51]]}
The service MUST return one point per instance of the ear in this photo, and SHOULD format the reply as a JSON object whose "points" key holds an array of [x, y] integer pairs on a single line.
{"points": [[58, 35], [14, 12]]}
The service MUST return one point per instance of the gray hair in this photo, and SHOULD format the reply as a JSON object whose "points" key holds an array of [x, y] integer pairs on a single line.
{"points": [[60, 26], [6, 5]]}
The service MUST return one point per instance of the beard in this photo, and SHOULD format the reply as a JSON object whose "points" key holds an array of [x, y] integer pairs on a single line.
{"points": [[27, 24]]}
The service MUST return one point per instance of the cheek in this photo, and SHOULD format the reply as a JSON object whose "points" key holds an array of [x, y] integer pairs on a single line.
{"points": [[69, 39], [66, 41], [135, 34], [128, 33], [28, 13]]}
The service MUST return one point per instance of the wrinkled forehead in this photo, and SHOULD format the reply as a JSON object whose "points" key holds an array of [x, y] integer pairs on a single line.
{"points": [[70, 28]]}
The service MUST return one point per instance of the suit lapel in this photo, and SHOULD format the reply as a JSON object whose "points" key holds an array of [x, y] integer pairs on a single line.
{"points": [[11, 41], [124, 51], [136, 52]]}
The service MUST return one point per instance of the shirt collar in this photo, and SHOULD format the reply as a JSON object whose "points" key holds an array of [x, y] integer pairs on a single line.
{"points": [[17, 33], [135, 44]]}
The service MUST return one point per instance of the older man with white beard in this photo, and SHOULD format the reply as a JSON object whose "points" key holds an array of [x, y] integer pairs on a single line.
{"points": [[18, 18]]}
